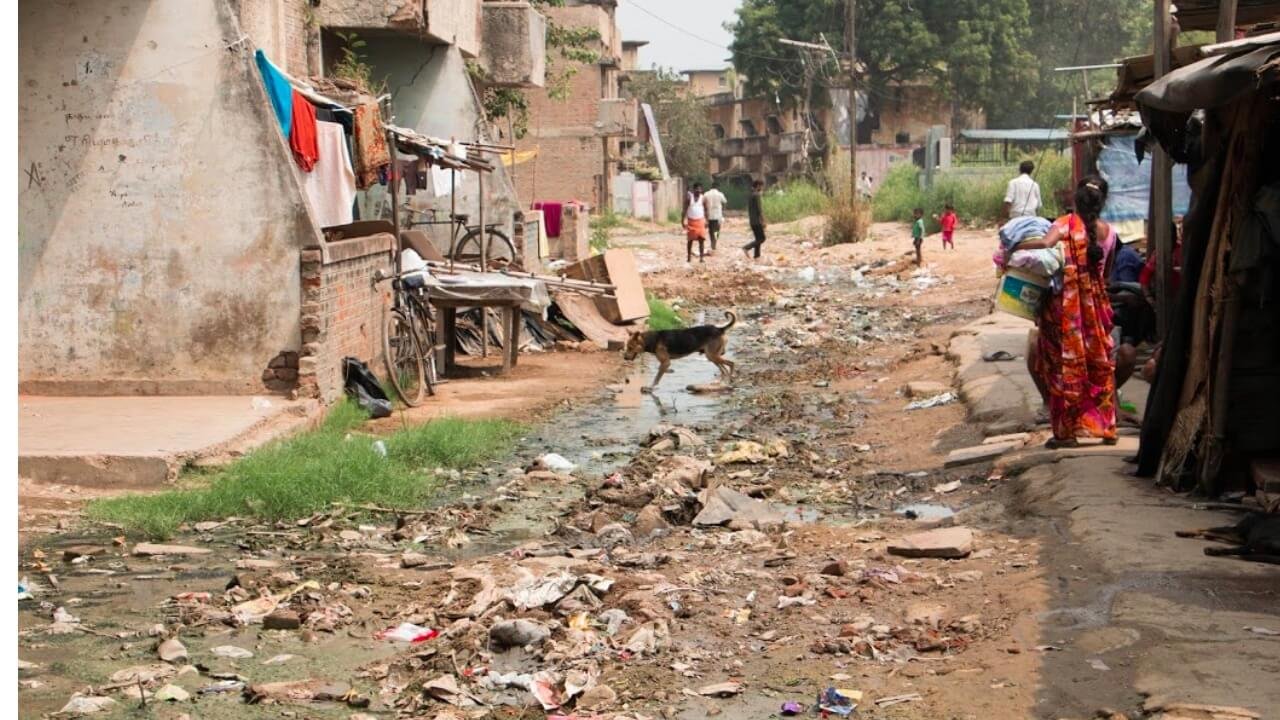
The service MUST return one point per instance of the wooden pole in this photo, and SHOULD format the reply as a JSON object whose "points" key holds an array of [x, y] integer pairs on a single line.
{"points": [[484, 267], [1160, 221], [851, 44], [1226, 20]]}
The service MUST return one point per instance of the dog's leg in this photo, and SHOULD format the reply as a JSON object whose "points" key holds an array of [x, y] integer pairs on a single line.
{"points": [[663, 364], [714, 352]]}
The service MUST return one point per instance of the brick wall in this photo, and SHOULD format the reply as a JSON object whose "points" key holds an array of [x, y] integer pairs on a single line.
{"points": [[343, 312]]}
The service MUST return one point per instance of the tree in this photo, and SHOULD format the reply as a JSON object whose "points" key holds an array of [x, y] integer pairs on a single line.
{"points": [[995, 55], [682, 120]]}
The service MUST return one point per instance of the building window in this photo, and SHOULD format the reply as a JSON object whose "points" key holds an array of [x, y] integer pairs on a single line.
{"points": [[773, 124], [723, 81], [748, 128], [719, 129]]}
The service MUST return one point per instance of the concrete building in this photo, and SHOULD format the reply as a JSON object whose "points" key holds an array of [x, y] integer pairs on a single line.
{"points": [[758, 137], [573, 144], [165, 243]]}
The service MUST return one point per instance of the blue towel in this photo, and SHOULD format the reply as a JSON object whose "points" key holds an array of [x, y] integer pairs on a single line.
{"points": [[278, 89], [1021, 228]]}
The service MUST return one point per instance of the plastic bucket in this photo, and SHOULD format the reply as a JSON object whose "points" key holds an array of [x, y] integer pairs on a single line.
{"points": [[1019, 293]]}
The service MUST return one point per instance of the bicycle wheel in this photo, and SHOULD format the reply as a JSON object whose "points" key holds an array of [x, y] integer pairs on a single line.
{"points": [[424, 327], [498, 248], [402, 353]]}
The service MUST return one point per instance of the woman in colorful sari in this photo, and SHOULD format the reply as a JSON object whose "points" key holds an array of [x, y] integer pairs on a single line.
{"points": [[1072, 354]]}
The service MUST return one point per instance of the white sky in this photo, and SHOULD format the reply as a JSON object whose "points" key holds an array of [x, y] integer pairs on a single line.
{"points": [[676, 47]]}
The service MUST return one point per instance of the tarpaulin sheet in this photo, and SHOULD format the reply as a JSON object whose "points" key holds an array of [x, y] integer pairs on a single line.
{"points": [[465, 288], [1130, 183]]}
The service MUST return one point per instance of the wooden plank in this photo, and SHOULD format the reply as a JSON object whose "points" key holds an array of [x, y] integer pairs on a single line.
{"points": [[449, 328], [1226, 20], [512, 317]]}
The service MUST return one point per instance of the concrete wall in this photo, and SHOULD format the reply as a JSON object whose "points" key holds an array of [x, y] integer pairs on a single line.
{"points": [[431, 93], [913, 109], [160, 217]]}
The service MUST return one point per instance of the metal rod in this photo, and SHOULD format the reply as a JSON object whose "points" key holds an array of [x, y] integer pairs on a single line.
{"points": [[1105, 66], [453, 210], [851, 44], [395, 192], [484, 264]]}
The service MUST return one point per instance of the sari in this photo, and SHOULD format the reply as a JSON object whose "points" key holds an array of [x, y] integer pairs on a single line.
{"points": [[1075, 344]]}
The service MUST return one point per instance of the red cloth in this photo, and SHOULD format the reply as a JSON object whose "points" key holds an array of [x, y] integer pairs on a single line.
{"points": [[948, 221], [551, 212], [302, 136], [1148, 275]]}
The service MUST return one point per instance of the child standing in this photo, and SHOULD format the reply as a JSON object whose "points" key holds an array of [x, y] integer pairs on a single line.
{"points": [[917, 234], [948, 222]]}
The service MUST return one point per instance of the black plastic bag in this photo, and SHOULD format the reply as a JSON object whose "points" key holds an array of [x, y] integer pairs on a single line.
{"points": [[363, 386]]}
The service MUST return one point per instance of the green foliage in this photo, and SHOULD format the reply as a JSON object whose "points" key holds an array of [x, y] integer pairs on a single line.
{"points": [[794, 200], [351, 64], [978, 200], [682, 122], [673, 216], [997, 55], [600, 226], [310, 472], [662, 316], [975, 49]]}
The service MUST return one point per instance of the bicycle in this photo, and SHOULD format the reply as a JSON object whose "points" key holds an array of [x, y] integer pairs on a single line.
{"points": [[409, 338], [499, 251]]}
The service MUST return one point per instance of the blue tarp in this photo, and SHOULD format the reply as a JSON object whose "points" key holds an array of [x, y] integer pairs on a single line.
{"points": [[1130, 183]]}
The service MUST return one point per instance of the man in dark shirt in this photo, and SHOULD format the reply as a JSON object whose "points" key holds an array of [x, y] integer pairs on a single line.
{"points": [[755, 215]]}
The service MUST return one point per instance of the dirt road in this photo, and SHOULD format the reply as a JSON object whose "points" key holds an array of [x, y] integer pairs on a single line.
{"points": [[710, 555]]}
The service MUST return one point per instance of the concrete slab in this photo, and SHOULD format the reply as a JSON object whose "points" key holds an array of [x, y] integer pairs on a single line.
{"points": [[141, 441]]}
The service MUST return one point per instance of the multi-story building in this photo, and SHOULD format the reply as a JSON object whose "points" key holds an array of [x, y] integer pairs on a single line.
{"points": [[166, 244], [574, 142]]}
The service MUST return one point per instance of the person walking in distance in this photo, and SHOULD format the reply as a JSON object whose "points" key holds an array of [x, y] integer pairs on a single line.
{"points": [[715, 213], [695, 223], [755, 214], [1022, 195]]}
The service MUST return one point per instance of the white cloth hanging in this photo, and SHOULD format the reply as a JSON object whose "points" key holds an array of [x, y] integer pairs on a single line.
{"points": [[331, 185]]}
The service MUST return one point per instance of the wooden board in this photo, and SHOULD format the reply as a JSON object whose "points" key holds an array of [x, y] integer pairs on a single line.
{"points": [[618, 268], [582, 312]]}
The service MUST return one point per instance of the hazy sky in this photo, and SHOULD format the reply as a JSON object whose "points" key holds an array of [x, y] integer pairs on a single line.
{"points": [[669, 46]]}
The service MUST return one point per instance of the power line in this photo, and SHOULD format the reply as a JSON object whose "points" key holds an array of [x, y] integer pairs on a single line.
{"points": [[695, 36]]}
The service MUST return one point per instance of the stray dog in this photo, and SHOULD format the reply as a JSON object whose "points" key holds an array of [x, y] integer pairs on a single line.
{"points": [[1257, 538], [668, 345]]}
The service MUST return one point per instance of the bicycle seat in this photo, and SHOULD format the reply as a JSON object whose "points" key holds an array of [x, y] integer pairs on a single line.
{"points": [[461, 217]]}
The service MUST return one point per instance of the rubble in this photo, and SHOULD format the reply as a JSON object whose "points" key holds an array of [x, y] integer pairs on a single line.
{"points": [[952, 542], [151, 549], [725, 506]]}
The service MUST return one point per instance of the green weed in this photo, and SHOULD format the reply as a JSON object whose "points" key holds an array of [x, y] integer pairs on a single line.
{"points": [[978, 201], [662, 316], [308, 473], [794, 200]]}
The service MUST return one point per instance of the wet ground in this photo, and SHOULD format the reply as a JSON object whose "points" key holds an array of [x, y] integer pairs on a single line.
{"points": [[779, 607]]}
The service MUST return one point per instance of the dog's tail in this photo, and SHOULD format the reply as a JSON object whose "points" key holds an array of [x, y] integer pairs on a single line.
{"points": [[732, 319]]}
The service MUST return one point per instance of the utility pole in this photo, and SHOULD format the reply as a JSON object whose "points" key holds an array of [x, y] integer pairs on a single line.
{"points": [[1160, 220], [851, 46]]}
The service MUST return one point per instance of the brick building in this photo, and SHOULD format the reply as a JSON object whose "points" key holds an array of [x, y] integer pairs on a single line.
{"points": [[574, 143]]}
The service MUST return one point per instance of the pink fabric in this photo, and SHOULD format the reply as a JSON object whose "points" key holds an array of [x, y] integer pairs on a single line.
{"points": [[551, 212]]}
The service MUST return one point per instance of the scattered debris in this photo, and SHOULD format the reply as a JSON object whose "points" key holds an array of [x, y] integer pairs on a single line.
{"points": [[839, 701], [151, 549], [721, 690], [952, 542], [723, 505], [86, 705], [232, 652], [938, 400], [171, 650]]}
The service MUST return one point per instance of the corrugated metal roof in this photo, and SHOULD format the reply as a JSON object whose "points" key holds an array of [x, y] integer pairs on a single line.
{"points": [[1018, 135]]}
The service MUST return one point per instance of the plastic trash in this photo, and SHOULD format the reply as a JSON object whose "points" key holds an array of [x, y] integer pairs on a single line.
{"points": [[791, 707], [260, 403], [24, 590], [362, 385], [808, 274], [408, 632], [839, 701], [556, 463], [939, 400], [380, 448]]}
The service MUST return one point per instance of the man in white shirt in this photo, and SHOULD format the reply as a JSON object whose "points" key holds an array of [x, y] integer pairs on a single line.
{"points": [[1022, 196], [865, 186], [714, 201]]}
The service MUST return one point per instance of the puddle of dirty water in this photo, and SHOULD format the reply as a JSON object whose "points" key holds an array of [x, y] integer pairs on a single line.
{"points": [[927, 512]]}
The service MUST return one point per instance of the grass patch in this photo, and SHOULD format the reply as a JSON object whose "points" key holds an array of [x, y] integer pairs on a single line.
{"points": [[674, 216], [794, 200], [308, 473], [978, 201], [662, 316], [600, 226]]}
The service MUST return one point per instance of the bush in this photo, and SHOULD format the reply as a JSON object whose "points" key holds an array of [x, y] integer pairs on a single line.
{"points": [[977, 200], [600, 226], [848, 217], [794, 200], [662, 316]]}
